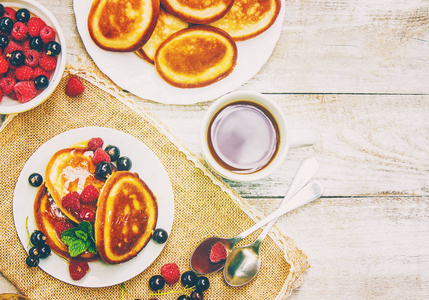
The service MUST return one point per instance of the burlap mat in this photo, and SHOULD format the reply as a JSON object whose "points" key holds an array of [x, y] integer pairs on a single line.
{"points": [[204, 205]]}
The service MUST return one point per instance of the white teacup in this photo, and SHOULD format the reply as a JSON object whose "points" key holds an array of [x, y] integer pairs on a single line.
{"points": [[245, 136]]}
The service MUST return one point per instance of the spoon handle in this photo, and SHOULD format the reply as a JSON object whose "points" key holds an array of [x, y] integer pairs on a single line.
{"points": [[307, 194], [306, 170]]}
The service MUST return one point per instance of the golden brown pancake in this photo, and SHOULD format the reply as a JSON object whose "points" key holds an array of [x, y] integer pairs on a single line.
{"points": [[126, 215], [166, 25], [122, 25], [196, 57], [197, 11], [71, 170], [249, 18], [47, 214]]}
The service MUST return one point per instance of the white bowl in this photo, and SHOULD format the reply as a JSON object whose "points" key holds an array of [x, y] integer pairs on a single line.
{"points": [[9, 106]]}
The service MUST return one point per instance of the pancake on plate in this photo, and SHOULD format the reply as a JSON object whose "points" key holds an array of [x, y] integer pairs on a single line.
{"points": [[249, 18]]}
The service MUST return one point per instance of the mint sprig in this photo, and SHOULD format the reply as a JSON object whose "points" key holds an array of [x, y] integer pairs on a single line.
{"points": [[80, 239]]}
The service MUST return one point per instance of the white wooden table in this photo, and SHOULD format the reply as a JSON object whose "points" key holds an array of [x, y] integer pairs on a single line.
{"points": [[358, 71]]}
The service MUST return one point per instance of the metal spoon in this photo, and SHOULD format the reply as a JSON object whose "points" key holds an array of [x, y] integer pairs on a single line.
{"points": [[243, 263], [200, 259]]}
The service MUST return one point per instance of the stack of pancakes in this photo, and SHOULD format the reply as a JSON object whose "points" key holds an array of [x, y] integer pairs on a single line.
{"points": [[184, 55], [126, 210]]}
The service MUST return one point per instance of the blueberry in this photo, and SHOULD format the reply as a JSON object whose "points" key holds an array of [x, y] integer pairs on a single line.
{"points": [[103, 170], [1, 9], [156, 282], [203, 283], [35, 179], [183, 297], [160, 236], [189, 279], [37, 238], [22, 15], [36, 43], [32, 262], [197, 295], [4, 41], [44, 251], [113, 152], [34, 252], [53, 48], [17, 58], [124, 163], [6, 24], [41, 82]]}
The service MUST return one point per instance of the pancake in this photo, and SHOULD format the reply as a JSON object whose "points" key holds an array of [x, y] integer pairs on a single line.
{"points": [[196, 11], [47, 214], [126, 215], [196, 57], [121, 25], [166, 25], [71, 170], [249, 18]]}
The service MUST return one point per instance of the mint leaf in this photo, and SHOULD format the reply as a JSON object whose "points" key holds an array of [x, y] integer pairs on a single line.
{"points": [[68, 240], [80, 239], [81, 235], [77, 248]]}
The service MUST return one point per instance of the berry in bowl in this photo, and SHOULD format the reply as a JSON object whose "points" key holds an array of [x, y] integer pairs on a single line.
{"points": [[32, 55]]}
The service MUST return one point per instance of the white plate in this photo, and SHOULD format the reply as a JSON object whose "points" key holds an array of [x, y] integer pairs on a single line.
{"points": [[140, 78], [144, 162]]}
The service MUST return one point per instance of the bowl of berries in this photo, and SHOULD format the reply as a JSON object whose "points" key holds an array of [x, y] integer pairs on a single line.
{"points": [[32, 55]]}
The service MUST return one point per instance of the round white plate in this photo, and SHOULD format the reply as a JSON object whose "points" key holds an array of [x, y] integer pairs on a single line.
{"points": [[140, 78], [144, 162]]}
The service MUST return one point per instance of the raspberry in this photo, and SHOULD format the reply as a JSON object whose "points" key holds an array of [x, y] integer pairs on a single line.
{"points": [[12, 46], [48, 63], [87, 214], [62, 226], [99, 156], [95, 143], [170, 273], [35, 25], [10, 13], [31, 58], [218, 252], [89, 194], [12, 95], [47, 33], [71, 201], [26, 45], [4, 65], [24, 73], [78, 269], [25, 91], [7, 84], [39, 71], [19, 31], [74, 87]]}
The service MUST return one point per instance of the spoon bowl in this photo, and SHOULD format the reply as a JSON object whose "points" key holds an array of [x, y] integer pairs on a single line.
{"points": [[242, 266]]}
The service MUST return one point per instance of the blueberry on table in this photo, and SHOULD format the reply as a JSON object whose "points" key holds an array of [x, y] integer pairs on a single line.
{"points": [[183, 297], [160, 236], [197, 295], [22, 15], [1, 9], [156, 282], [124, 164], [203, 283], [189, 279], [35, 179]]}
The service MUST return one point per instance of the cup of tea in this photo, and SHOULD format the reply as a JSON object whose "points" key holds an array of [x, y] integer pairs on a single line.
{"points": [[245, 136]]}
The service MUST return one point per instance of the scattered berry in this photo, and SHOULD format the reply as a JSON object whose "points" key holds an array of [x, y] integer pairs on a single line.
{"points": [[7, 84], [47, 33], [86, 214], [25, 91], [44, 251], [89, 194], [113, 152], [71, 201], [37, 238], [32, 262], [6, 25], [160, 236], [74, 87], [31, 58], [41, 82], [48, 63], [1, 10], [197, 295], [16, 58], [156, 282], [203, 283], [36, 43], [4, 66], [62, 226], [189, 279], [22, 15], [170, 273], [10, 13], [24, 73], [99, 156], [35, 25], [53, 48], [78, 268], [95, 143], [4, 40], [183, 297], [34, 252], [19, 31], [124, 163], [218, 253], [35, 179], [103, 170]]}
